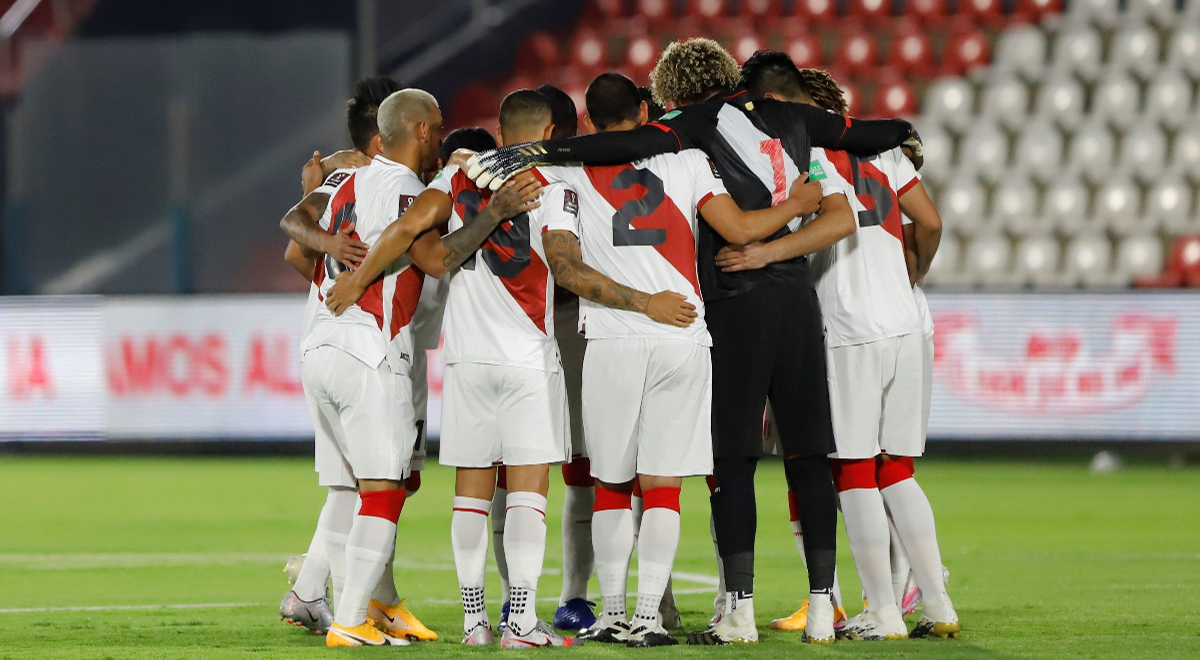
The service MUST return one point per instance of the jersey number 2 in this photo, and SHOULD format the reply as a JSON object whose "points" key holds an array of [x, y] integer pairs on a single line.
{"points": [[647, 205]]}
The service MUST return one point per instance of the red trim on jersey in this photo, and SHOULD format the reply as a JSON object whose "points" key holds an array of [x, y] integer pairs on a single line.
{"points": [[372, 301], [854, 473], [891, 470], [908, 186], [405, 297], [667, 129], [611, 500], [342, 196], [703, 201], [736, 94], [679, 249], [386, 504], [892, 224], [538, 175], [662, 497], [578, 473], [794, 506]]}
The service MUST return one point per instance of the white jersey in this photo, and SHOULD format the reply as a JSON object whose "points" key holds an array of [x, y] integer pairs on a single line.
{"points": [[378, 326], [862, 280], [501, 305], [637, 225]]}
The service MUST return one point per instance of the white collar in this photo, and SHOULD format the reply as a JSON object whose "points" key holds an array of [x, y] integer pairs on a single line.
{"points": [[384, 160]]}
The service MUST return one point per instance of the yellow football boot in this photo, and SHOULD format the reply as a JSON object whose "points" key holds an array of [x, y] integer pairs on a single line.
{"points": [[363, 634], [797, 621], [397, 621]]}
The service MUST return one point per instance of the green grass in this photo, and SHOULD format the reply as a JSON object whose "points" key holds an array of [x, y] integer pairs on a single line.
{"points": [[1046, 561]]}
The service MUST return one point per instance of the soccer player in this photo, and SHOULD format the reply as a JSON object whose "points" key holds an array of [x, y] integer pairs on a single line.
{"points": [[647, 386], [356, 367], [766, 325], [875, 346], [305, 604]]}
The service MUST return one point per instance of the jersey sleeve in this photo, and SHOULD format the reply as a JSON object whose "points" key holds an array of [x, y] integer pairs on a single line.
{"points": [[614, 148], [862, 137], [444, 181], [822, 170], [559, 210], [333, 182], [907, 175], [706, 180]]}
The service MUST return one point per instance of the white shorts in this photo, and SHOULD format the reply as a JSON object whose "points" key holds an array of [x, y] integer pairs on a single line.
{"points": [[875, 397], [926, 384], [647, 408], [498, 414], [368, 411], [332, 468], [571, 347], [419, 375]]}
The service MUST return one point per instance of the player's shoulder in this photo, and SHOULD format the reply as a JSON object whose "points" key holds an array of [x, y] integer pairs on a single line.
{"points": [[336, 179]]}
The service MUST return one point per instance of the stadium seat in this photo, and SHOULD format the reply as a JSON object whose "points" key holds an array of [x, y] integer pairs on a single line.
{"points": [[657, 13], [1104, 13], [1061, 100], [1039, 150], [1169, 99], [1021, 50], [852, 92], [939, 151], [871, 12], [1036, 261], [1184, 50], [1117, 201], [945, 268], [1139, 257], [804, 49], [1078, 50], [985, 12], [603, 9], [640, 55], [536, 54], [707, 11], [470, 101], [1033, 11], [1158, 12], [985, 152], [967, 49], [1014, 207], [1144, 152], [1092, 151], [820, 12], [949, 101], [1183, 267], [589, 51], [1066, 205], [910, 51], [1088, 261], [1169, 198], [894, 97], [988, 260], [1135, 49], [761, 11], [1185, 152], [930, 13], [857, 52], [1116, 100], [962, 204], [1006, 100]]}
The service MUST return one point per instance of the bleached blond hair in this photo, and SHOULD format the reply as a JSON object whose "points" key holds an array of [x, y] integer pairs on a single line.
{"points": [[689, 70], [402, 111]]}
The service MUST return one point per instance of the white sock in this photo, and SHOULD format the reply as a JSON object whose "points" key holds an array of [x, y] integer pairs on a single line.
{"points": [[657, 544], [385, 591], [867, 529], [337, 518], [314, 573], [469, 538], [578, 559], [525, 550], [914, 522], [368, 550], [499, 515], [612, 539], [900, 565], [712, 531]]}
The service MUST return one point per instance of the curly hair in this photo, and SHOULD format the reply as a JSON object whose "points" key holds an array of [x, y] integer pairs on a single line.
{"points": [[825, 90], [689, 70]]}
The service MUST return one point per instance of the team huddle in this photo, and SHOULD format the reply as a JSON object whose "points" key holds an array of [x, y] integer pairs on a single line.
{"points": [[676, 294]]}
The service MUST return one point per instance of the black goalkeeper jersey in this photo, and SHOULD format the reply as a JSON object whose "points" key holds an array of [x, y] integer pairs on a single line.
{"points": [[759, 146]]}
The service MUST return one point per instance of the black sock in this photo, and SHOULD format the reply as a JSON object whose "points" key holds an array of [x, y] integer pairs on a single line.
{"points": [[812, 482], [736, 519]]}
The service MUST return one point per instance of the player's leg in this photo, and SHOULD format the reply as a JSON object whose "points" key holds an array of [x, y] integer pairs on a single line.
{"points": [[798, 620], [719, 601], [499, 519], [668, 613], [574, 611], [306, 604]]}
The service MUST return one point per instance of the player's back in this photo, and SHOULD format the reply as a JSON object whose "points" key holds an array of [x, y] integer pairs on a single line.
{"points": [[862, 280], [637, 225], [500, 309]]}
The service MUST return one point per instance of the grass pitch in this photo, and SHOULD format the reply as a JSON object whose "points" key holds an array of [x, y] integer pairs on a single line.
{"points": [[182, 558]]}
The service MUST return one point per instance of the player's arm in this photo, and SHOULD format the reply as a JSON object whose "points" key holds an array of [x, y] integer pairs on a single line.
{"points": [[863, 137], [834, 222], [571, 273], [303, 264], [926, 223], [342, 160], [301, 225], [741, 227], [910, 255], [311, 176]]}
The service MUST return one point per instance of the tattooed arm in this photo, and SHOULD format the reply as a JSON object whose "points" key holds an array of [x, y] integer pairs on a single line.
{"points": [[566, 263]]}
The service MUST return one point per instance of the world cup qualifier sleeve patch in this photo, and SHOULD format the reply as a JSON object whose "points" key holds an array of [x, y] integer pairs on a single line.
{"points": [[336, 178], [570, 202], [713, 166], [816, 172]]}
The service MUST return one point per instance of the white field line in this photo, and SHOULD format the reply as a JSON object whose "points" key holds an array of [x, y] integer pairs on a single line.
{"points": [[123, 608]]}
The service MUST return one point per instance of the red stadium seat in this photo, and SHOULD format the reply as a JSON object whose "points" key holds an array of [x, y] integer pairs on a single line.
{"points": [[987, 12], [1182, 269], [589, 51], [910, 51], [857, 52], [761, 10], [707, 10], [470, 101], [656, 12], [873, 12], [853, 93], [966, 50], [537, 53], [804, 49], [640, 55], [822, 12], [743, 46], [1032, 11], [894, 97], [602, 9], [930, 13]]}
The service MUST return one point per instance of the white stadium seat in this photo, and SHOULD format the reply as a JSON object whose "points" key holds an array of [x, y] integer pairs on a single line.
{"points": [[1135, 49], [1117, 201], [1092, 151], [1185, 151], [1116, 100], [939, 150], [1039, 151], [1159, 12], [961, 203], [1066, 205], [1014, 206], [1088, 261], [1079, 50], [950, 101], [1061, 100], [1169, 99], [1006, 100], [984, 151], [1139, 256], [1037, 260], [944, 269], [988, 260], [1021, 50], [1100, 12], [1169, 200], [1144, 152], [1183, 52]]}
